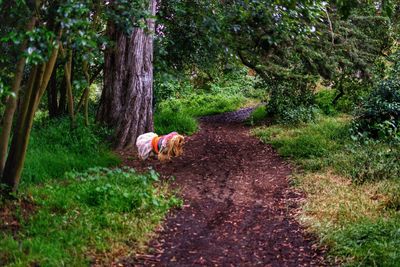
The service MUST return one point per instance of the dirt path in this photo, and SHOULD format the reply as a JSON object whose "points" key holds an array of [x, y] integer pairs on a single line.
{"points": [[238, 205]]}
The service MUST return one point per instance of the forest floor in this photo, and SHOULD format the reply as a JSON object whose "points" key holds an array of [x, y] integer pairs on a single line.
{"points": [[239, 208]]}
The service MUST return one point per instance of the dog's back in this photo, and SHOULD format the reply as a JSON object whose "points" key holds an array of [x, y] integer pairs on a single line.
{"points": [[143, 144]]}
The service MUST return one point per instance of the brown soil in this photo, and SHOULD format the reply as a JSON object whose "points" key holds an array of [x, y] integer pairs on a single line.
{"points": [[239, 207], [13, 213]]}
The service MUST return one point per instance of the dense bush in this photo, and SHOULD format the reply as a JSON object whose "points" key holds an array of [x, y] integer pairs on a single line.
{"points": [[291, 102], [379, 115], [354, 93], [323, 100]]}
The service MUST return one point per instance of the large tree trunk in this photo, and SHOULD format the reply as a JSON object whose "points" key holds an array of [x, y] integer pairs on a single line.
{"points": [[126, 101]]}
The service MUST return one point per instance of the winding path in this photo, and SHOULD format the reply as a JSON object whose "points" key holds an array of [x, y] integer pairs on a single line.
{"points": [[239, 208]]}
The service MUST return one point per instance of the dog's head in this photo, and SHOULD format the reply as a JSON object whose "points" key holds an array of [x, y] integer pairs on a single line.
{"points": [[174, 148]]}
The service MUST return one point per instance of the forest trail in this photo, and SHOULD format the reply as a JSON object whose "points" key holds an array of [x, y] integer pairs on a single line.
{"points": [[238, 205]]}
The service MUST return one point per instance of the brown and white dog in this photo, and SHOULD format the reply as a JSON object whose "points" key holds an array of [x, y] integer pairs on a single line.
{"points": [[165, 146]]}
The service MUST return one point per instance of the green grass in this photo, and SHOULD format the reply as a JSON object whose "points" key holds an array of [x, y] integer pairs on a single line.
{"points": [[179, 114], [258, 115], [369, 242], [352, 188], [312, 144], [95, 215], [167, 121], [55, 148], [197, 105]]}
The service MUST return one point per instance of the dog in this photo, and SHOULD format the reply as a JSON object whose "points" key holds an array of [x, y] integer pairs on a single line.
{"points": [[165, 146]]}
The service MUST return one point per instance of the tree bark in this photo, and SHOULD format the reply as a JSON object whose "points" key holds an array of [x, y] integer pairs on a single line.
{"points": [[11, 104], [52, 100], [68, 79], [16, 158], [340, 89], [126, 101]]}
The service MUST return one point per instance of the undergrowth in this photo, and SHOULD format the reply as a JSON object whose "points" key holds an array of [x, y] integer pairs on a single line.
{"points": [[352, 188], [55, 148], [179, 114], [91, 217], [180, 101]]}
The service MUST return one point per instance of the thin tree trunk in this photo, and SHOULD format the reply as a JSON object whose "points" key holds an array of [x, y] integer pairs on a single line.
{"points": [[340, 89], [70, 97], [62, 102], [126, 101], [87, 91], [16, 158], [52, 100], [330, 26], [11, 104]]}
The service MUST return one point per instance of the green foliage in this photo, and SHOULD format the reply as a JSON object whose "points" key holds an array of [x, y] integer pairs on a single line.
{"points": [[369, 242], [258, 115], [379, 116], [180, 114], [328, 144], [210, 104], [127, 15], [323, 100], [309, 141], [189, 35], [168, 120], [370, 161], [55, 148], [97, 212], [170, 85], [179, 101], [231, 81], [291, 102]]}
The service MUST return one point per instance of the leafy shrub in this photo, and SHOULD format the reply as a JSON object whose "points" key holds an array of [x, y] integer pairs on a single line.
{"points": [[297, 115], [323, 100], [233, 81], [170, 85], [198, 105], [379, 115], [238, 82], [291, 102], [354, 93]]}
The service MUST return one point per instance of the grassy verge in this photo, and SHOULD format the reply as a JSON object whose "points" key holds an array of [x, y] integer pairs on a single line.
{"points": [[353, 190], [91, 217]]}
